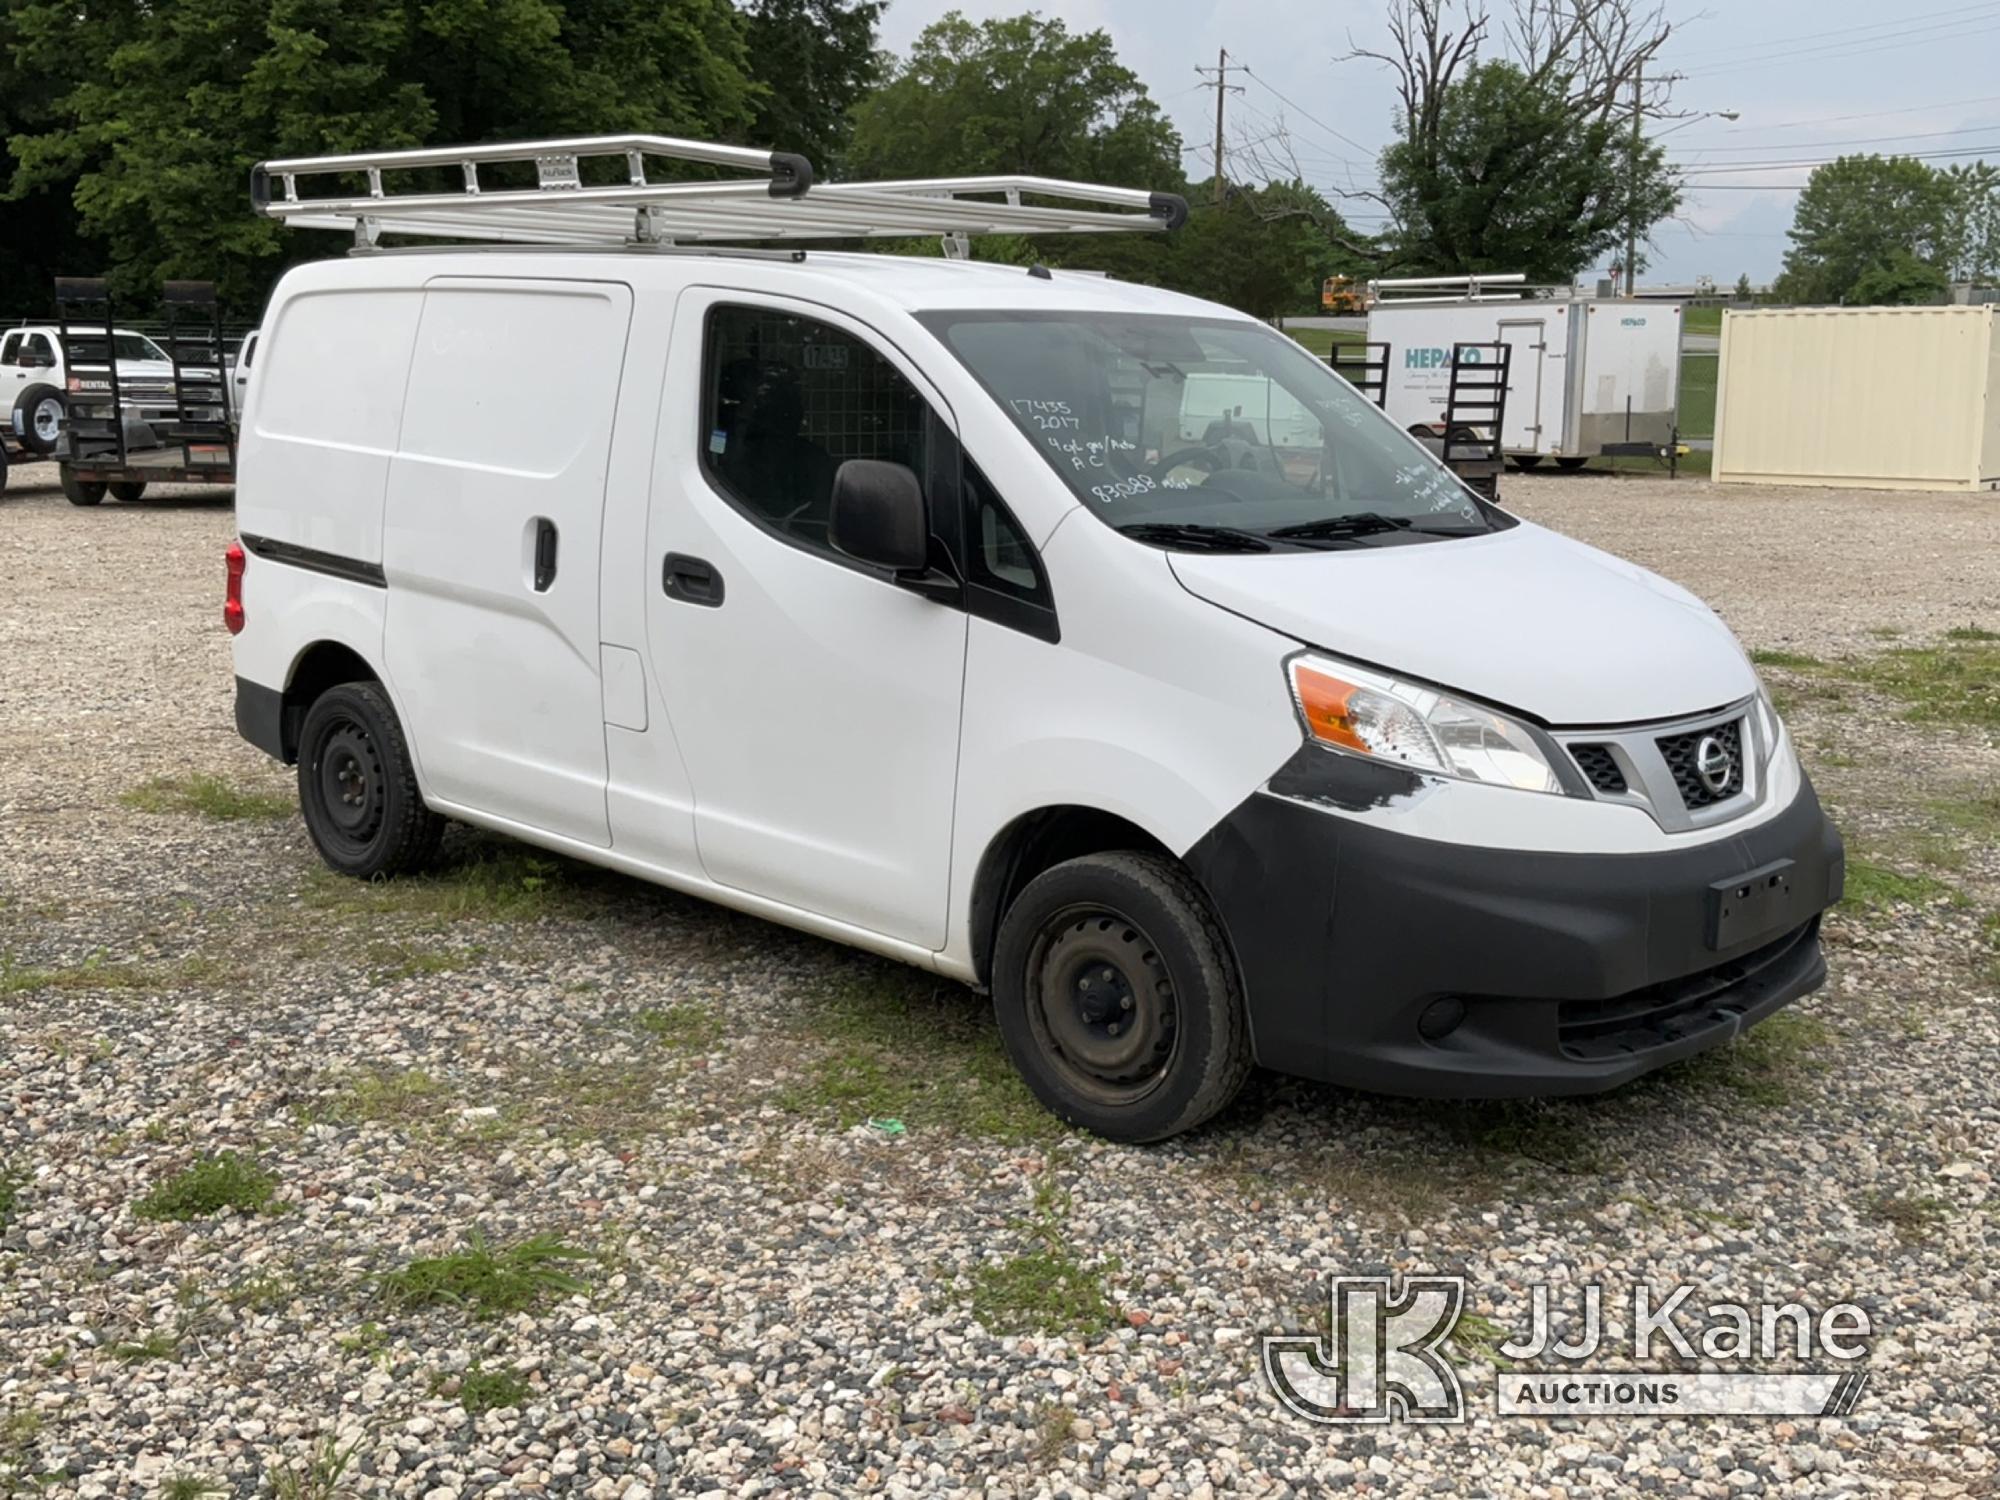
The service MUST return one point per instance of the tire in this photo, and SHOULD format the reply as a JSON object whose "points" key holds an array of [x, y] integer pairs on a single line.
{"points": [[1527, 461], [1572, 461], [81, 491], [128, 489], [39, 415], [1131, 931], [357, 786]]}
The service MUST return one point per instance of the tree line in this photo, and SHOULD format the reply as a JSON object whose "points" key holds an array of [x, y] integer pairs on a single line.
{"points": [[129, 131]]}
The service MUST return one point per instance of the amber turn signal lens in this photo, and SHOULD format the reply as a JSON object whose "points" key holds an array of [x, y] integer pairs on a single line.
{"points": [[1324, 702]]}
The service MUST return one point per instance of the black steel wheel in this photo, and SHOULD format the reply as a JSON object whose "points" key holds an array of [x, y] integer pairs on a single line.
{"points": [[1118, 999], [80, 491], [1572, 461], [128, 489], [358, 787]]}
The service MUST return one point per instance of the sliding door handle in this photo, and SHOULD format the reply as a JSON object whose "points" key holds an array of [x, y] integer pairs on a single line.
{"points": [[691, 580], [545, 554]]}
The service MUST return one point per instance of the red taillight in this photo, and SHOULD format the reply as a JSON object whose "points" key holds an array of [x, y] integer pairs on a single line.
{"points": [[232, 603]]}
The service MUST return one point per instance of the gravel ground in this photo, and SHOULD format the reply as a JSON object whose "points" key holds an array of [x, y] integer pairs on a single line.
{"points": [[779, 1297]]}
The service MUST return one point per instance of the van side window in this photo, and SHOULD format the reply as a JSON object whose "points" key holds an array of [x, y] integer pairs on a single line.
{"points": [[998, 554], [787, 400], [38, 346]]}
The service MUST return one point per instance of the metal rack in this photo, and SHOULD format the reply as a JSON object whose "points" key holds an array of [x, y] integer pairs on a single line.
{"points": [[604, 190], [1364, 366], [105, 440]]}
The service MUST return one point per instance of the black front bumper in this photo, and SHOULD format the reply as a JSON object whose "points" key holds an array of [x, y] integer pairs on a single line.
{"points": [[1408, 966]]}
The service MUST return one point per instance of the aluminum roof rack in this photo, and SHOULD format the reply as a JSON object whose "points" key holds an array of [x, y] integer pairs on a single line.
{"points": [[569, 206]]}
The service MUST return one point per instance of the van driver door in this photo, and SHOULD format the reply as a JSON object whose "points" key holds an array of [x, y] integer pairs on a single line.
{"points": [[815, 700]]}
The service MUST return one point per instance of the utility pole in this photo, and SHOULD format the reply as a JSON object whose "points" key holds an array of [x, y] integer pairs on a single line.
{"points": [[1223, 87], [1632, 186]]}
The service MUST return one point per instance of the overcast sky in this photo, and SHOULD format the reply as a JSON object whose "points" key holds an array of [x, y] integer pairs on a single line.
{"points": [[1810, 79]]}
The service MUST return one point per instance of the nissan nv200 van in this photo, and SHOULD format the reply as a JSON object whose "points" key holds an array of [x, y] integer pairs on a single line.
{"points": [[1083, 642]]}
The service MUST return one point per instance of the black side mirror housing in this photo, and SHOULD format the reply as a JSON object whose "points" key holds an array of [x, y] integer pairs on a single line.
{"points": [[879, 515]]}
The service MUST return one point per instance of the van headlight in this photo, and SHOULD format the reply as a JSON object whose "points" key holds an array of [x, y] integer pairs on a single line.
{"points": [[1365, 713]]}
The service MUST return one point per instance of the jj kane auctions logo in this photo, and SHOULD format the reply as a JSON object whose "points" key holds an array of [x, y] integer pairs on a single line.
{"points": [[1385, 1358]]}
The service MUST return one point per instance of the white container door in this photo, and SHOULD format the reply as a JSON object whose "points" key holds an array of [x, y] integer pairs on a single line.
{"points": [[490, 545], [1524, 424], [816, 702]]}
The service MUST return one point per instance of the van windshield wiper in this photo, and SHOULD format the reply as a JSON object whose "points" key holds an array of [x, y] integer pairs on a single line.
{"points": [[1358, 524], [1193, 536]]}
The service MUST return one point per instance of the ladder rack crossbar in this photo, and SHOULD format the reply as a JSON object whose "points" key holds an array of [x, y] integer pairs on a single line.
{"points": [[783, 204]]}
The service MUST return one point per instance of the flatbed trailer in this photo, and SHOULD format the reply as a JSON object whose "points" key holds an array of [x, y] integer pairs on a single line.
{"points": [[104, 448]]}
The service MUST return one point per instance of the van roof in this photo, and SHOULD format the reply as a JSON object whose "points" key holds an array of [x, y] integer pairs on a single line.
{"points": [[916, 283]]}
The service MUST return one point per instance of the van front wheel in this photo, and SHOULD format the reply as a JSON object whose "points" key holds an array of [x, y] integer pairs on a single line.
{"points": [[1118, 998], [358, 788]]}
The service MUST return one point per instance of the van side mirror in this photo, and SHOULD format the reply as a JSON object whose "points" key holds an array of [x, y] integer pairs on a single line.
{"points": [[879, 515]]}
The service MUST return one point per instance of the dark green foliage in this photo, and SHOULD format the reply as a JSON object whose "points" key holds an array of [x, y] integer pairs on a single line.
{"points": [[1506, 173]]}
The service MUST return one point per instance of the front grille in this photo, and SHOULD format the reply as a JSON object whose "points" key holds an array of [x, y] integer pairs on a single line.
{"points": [[1600, 768], [1680, 752]]}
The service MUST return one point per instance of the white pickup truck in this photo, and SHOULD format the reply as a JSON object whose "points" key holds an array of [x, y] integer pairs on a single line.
{"points": [[38, 375]]}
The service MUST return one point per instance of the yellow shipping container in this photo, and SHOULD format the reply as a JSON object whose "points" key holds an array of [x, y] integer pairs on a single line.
{"points": [[1860, 397]]}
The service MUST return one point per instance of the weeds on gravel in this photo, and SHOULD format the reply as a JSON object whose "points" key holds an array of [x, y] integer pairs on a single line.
{"points": [[320, 1475], [211, 1185], [1048, 1289], [390, 1096], [1479, 1337], [481, 1390], [1052, 1434], [206, 796], [159, 1344], [191, 1487], [19, 1432], [486, 1280], [97, 972], [682, 1027], [1955, 682], [901, 1046], [1876, 888], [1789, 661], [1913, 1219], [11, 1183], [498, 883], [1558, 1133], [1765, 1065]]}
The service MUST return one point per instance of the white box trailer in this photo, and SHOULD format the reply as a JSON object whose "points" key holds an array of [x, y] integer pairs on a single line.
{"points": [[1587, 375]]}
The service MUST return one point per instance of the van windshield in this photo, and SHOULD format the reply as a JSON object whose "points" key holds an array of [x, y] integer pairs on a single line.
{"points": [[1186, 431]]}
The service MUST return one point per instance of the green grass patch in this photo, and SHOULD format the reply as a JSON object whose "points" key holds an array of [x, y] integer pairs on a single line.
{"points": [[1701, 320], [499, 882], [1877, 888], [1479, 1337], [390, 961], [1320, 341], [191, 1487], [1697, 404], [391, 1096], [896, 1044], [11, 1183], [1048, 1288], [212, 1184], [98, 972], [1956, 682], [1914, 1219], [1767, 1065], [1790, 661], [1558, 1133], [488, 1280], [1971, 635], [206, 796], [159, 1344], [320, 1475], [481, 1390], [682, 1027]]}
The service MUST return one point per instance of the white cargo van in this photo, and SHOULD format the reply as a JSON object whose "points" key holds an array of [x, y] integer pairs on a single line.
{"points": [[892, 599]]}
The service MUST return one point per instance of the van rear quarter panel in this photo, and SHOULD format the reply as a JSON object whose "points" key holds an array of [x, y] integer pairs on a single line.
{"points": [[332, 370]]}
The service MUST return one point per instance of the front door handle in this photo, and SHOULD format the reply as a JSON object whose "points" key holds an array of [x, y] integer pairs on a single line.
{"points": [[545, 554], [691, 580]]}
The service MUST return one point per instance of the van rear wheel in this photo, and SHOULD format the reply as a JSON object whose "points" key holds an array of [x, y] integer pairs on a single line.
{"points": [[358, 787], [1118, 999]]}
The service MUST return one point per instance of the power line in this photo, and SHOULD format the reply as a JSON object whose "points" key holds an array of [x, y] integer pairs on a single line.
{"points": [[1834, 51], [1873, 114], [1282, 99], [1701, 170], [1867, 140], [1889, 28]]}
